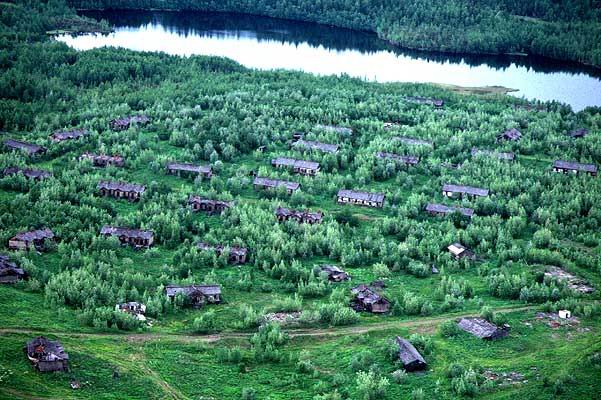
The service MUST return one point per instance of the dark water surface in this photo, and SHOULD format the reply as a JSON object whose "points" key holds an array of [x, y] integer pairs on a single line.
{"points": [[267, 43]]}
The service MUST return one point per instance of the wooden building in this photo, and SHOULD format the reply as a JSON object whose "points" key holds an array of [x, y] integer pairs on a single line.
{"points": [[47, 355], [407, 160], [459, 251], [361, 198], [29, 173], [511, 135], [297, 166], [61, 136], [489, 153], [237, 255], [101, 160], [29, 148], [411, 359], [121, 124], [578, 133], [367, 299], [413, 141], [574, 167], [436, 103], [138, 310], [442, 210], [184, 169], [302, 217], [121, 190], [196, 295], [334, 273], [268, 183], [312, 145], [133, 237], [198, 203], [483, 329], [35, 239], [452, 191], [335, 128], [9, 271]]}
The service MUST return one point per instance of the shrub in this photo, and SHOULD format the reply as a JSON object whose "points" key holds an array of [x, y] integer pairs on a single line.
{"points": [[370, 386], [206, 322], [249, 394], [399, 376], [381, 270], [362, 361], [449, 329], [418, 394]]}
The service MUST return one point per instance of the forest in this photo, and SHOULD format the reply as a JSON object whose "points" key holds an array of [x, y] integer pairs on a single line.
{"points": [[212, 111], [566, 29]]}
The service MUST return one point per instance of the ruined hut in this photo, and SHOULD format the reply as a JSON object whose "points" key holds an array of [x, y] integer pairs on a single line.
{"points": [[335, 274], [312, 145], [134, 308], [302, 217], [578, 133], [61, 136], [101, 160], [29, 148], [483, 329], [296, 136], [196, 295], [413, 141], [35, 239], [29, 173], [297, 166], [442, 210], [453, 191], [121, 190], [9, 271], [183, 169], [361, 198], [198, 203], [121, 124], [237, 255], [489, 153], [574, 167], [436, 103], [409, 356], [459, 251], [335, 128], [368, 299], [132, 237], [511, 135], [407, 160], [46, 355], [268, 183]]}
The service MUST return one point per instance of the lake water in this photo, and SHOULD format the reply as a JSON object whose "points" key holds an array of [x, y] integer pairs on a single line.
{"points": [[267, 43]]}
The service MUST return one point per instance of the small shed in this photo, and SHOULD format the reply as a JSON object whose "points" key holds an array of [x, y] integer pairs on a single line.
{"points": [[460, 251], [565, 314], [483, 329], [134, 308], [578, 133], [196, 295], [409, 356], [46, 355], [512, 135], [368, 299], [9, 271], [335, 274]]}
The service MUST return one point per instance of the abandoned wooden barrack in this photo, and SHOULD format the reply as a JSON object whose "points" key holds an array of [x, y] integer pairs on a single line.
{"points": [[449, 190], [137, 238], [121, 190], [334, 273], [120, 124], [60, 136], [437, 103], [302, 167], [237, 255], [101, 160], [312, 145], [512, 135], [442, 210], [29, 173], [134, 308], [9, 271], [35, 239], [176, 168], [574, 167], [368, 299], [268, 183], [578, 133], [198, 203], [505, 156], [368, 199], [408, 160], [458, 251], [195, 295], [302, 217], [411, 359], [335, 128], [29, 148], [483, 329], [413, 141], [46, 355]]}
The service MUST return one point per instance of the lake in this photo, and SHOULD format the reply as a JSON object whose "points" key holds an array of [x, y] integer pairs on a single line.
{"points": [[267, 43]]}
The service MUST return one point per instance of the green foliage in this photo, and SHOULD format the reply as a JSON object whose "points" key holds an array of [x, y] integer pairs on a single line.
{"points": [[266, 341], [205, 323], [363, 361], [370, 386]]}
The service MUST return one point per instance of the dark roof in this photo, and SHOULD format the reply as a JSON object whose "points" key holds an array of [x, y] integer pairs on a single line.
{"points": [[27, 172], [128, 232], [291, 162], [69, 134], [325, 147], [413, 141], [465, 189], [102, 157], [366, 294], [499, 155], [412, 160], [123, 186], [274, 183], [407, 352], [20, 145], [574, 166], [286, 212], [203, 200], [363, 196], [441, 208], [334, 128], [234, 250], [207, 290], [200, 169], [481, 328], [50, 350], [510, 134], [8, 267], [126, 121], [578, 133], [38, 234]]}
